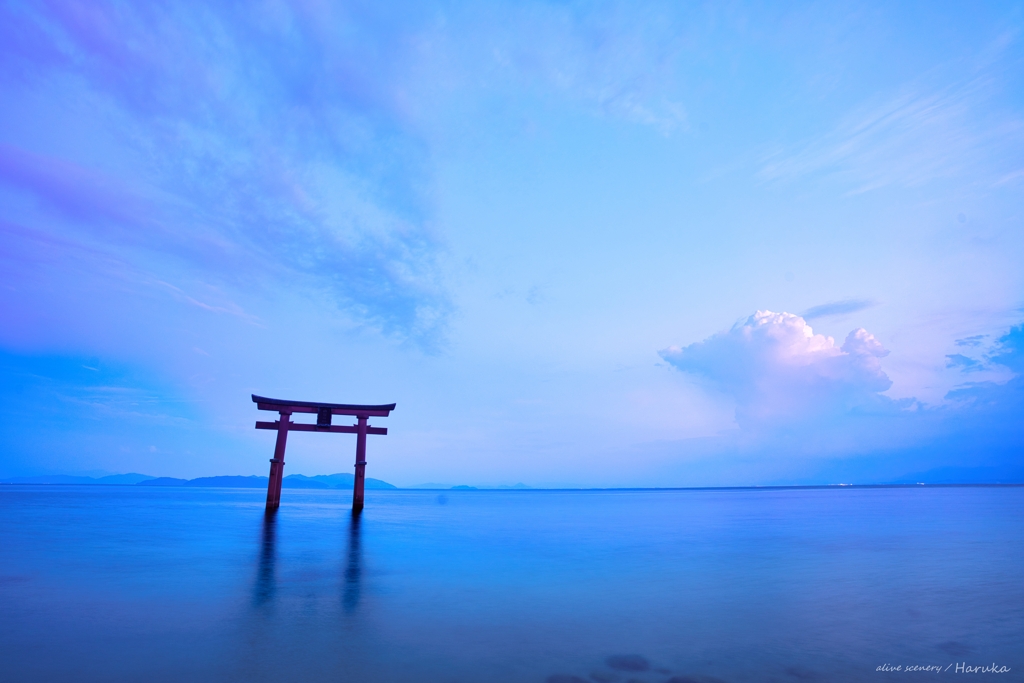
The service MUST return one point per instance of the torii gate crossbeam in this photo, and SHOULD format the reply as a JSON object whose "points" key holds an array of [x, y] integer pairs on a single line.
{"points": [[324, 413]]}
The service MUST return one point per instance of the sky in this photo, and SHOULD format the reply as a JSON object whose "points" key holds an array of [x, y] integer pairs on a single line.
{"points": [[578, 243]]}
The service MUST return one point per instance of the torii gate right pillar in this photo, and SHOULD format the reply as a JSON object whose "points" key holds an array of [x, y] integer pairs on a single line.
{"points": [[360, 481]]}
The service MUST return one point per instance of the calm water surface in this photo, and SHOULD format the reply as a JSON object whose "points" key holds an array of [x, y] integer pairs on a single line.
{"points": [[150, 584]]}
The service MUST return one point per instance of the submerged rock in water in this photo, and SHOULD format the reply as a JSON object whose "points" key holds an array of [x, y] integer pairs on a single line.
{"points": [[955, 649], [628, 663], [802, 674]]}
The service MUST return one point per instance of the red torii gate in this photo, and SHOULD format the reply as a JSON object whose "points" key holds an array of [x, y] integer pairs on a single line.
{"points": [[324, 412]]}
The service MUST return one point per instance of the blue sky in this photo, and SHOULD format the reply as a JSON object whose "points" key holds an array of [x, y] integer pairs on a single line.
{"points": [[594, 244]]}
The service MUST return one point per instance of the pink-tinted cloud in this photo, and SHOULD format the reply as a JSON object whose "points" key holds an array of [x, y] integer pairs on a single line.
{"points": [[778, 370]]}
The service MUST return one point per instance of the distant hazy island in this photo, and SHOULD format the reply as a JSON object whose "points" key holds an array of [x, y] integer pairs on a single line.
{"points": [[292, 481]]}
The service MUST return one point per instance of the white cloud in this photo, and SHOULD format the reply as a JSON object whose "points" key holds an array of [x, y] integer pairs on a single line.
{"points": [[778, 371]]}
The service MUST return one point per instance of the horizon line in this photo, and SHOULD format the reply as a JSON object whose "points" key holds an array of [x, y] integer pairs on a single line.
{"points": [[511, 489]]}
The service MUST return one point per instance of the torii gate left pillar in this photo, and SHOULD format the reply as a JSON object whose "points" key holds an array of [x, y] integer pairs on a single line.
{"points": [[277, 462], [324, 413]]}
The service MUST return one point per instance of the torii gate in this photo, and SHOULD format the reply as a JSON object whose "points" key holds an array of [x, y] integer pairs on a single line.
{"points": [[323, 411]]}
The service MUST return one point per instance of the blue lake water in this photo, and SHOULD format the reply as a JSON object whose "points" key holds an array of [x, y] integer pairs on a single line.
{"points": [[177, 584]]}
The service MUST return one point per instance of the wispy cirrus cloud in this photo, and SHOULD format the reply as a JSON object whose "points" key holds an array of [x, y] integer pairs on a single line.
{"points": [[615, 59], [958, 129], [1007, 351], [270, 141], [834, 308], [972, 341], [964, 363], [283, 143]]}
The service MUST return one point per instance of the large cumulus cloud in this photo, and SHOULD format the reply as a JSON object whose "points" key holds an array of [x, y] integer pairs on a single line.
{"points": [[810, 410], [779, 371]]}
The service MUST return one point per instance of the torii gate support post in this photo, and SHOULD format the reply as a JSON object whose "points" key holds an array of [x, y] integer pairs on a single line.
{"points": [[277, 462], [360, 481]]}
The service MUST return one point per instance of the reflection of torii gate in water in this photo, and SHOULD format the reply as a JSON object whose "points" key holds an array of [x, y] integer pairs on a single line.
{"points": [[323, 411]]}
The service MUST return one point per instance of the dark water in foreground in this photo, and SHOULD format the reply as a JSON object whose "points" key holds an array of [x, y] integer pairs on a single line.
{"points": [[149, 584]]}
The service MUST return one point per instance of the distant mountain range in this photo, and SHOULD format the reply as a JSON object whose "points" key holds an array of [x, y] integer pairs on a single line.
{"points": [[939, 476], [113, 479], [500, 487], [292, 481]]}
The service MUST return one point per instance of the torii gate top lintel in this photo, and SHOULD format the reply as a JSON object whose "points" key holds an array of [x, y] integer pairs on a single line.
{"points": [[324, 412], [282, 405]]}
